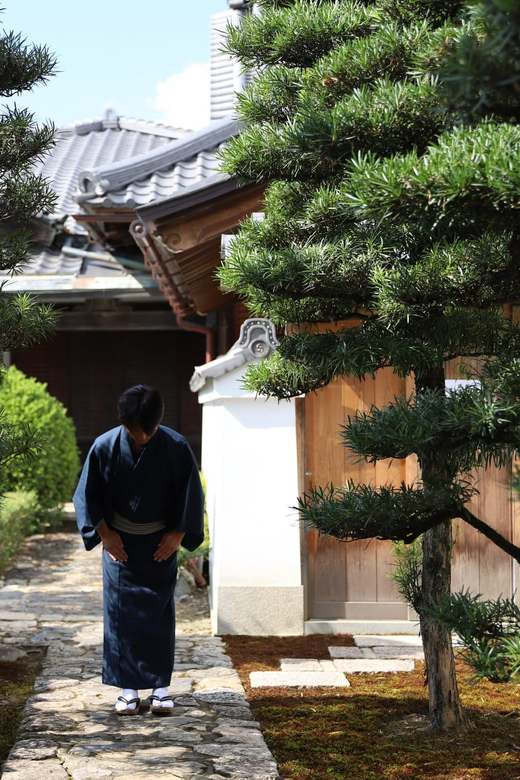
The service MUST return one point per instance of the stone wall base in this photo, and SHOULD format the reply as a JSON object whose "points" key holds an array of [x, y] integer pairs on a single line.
{"points": [[361, 627], [258, 611]]}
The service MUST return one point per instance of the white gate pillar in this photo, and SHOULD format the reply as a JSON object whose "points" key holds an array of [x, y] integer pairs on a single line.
{"points": [[250, 467]]}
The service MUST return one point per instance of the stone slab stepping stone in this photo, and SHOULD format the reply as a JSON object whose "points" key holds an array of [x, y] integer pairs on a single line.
{"points": [[389, 640], [298, 679], [300, 665], [345, 652], [372, 665], [327, 666], [9, 653], [16, 616], [398, 652]]}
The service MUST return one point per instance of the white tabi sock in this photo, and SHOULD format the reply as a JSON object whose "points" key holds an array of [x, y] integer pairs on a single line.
{"points": [[160, 692], [128, 693]]}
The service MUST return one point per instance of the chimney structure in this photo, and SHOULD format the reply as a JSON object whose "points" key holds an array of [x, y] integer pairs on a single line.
{"points": [[227, 76]]}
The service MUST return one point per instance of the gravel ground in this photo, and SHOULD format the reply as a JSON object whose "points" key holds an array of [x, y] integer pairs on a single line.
{"points": [[192, 614]]}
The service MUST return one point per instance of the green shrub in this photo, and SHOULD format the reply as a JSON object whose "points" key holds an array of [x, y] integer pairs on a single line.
{"points": [[407, 573], [202, 551], [489, 632], [16, 516], [52, 474]]}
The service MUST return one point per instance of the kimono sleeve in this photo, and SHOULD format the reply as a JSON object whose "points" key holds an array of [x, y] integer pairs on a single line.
{"points": [[190, 503], [89, 500]]}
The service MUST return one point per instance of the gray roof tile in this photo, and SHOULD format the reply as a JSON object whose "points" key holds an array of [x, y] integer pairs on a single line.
{"points": [[165, 172], [50, 261], [94, 143], [158, 173]]}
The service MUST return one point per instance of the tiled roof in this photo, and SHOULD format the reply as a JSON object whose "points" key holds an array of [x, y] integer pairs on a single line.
{"points": [[93, 143], [51, 261], [158, 174]]}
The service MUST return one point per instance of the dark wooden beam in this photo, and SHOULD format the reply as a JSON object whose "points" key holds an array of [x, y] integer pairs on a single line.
{"points": [[107, 216], [204, 224], [110, 320]]}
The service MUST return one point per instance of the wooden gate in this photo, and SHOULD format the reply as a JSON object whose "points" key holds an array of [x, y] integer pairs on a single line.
{"points": [[350, 580]]}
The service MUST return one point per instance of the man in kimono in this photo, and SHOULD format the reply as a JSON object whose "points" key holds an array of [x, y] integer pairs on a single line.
{"points": [[140, 495]]}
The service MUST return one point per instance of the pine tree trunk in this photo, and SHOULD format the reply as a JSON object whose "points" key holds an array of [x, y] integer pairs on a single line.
{"points": [[446, 711]]}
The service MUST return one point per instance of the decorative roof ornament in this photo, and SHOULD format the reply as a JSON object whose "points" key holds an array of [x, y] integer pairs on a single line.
{"points": [[257, 340]]}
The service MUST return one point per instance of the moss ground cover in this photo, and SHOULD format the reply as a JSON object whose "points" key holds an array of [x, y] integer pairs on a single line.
{"points": [[378, 729], [16, 685]]}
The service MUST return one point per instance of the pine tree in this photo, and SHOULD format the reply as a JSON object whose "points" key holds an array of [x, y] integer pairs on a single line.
{"points": [[385, 209], [23, 194]]}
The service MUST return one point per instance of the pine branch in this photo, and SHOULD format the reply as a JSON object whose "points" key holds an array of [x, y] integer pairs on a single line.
{"points": [[299, 34], [24, 321], [390, 513], [384, 117], [511, 549], [23, 66], [460, 181], [469, 427], [480, 67]]}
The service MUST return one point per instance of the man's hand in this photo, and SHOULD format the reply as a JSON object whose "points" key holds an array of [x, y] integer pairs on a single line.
{"points": [[112, 543], [168, 545]]}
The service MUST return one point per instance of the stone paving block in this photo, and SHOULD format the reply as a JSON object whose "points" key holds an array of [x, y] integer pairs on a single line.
{"points": [[16, 616], [220, 675], [180, 686], [237, 723], [219, 697], [235, 769], [388, 640], [219, 685], [297, 679], [36, 723], [300, 665], [70, 730], [54, 683], [239, 713], [9, 653], [399, 652], [19, 626], [47, 769], [345, 652], [34, 749], [239, 735], [327, 666], [372, 666], [185, 770]]}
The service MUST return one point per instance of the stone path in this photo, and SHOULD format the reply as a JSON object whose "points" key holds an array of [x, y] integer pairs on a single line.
{"points": [[372, 654], [70, 732]]}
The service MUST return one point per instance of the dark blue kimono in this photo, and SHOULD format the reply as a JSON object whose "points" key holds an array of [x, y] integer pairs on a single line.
{"points": [[160, 484]]}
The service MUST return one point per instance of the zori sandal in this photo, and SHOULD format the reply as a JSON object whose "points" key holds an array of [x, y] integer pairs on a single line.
{"points": [[132, 706], [157, 704]]}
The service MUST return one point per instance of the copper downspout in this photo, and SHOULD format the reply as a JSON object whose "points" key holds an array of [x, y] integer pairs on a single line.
{"points": [[154, 261]]}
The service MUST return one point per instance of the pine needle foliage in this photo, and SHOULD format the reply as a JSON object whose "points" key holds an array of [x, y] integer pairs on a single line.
{"points": [[395, 214], [23, 194], [489, 631]]}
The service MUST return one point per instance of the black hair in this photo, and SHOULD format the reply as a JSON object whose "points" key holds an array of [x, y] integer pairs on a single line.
{"points": [[141, 406]]}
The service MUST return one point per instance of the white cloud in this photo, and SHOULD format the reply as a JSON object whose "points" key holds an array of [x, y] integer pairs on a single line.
{"points": [[183, 99]]}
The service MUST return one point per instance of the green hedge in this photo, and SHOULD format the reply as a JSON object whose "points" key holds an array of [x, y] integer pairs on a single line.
{"points": [[202, 551], [52, 474], [16, 518]]}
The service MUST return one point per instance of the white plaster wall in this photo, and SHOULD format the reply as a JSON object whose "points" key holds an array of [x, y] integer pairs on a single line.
{"points": [[249, 462]]}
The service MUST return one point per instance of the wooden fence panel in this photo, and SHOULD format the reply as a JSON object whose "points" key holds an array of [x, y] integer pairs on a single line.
{"points": [[351, 580]]}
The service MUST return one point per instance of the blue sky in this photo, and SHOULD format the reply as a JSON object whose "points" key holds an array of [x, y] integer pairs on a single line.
{"points": [[147, 60]]}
